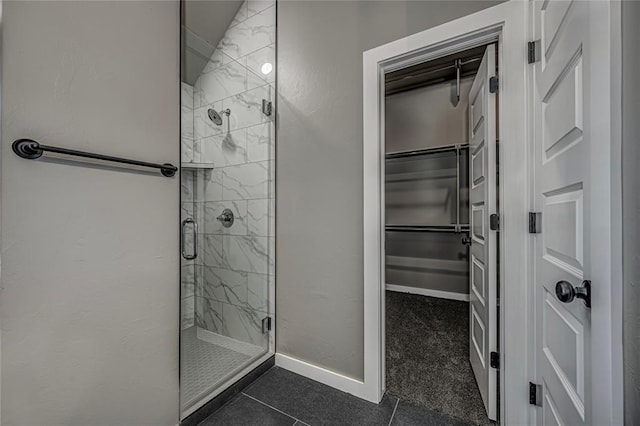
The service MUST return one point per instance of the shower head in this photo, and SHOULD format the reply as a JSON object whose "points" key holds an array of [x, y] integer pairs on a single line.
{"points": [[216, 117]]}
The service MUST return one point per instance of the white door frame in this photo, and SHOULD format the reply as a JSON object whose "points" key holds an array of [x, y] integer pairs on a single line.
{"points": [[507, 24]]}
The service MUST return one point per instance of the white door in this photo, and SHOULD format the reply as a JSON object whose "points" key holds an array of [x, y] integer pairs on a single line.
{"points": [[573, 244], [482, 202]]}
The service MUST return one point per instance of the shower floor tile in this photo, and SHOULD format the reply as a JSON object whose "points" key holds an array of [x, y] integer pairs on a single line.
{"points": [[208, 359]]}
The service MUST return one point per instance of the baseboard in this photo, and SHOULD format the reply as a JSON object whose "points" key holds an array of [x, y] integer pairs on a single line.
{"points": [[327, 377], [427, 292]]}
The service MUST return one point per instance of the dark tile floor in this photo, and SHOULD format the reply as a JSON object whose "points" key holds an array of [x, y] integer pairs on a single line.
{"points": [[281, 397]]}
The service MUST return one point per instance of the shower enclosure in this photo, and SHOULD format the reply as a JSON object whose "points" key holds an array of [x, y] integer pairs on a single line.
{"points": [[227, 189]]}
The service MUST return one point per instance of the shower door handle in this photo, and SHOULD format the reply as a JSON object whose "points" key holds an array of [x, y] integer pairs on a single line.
{"points": [[195, 239]]}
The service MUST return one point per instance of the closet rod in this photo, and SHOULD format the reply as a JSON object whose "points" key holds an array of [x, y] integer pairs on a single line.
{"points": [[454, 65], [423, 151], [421, 228]]}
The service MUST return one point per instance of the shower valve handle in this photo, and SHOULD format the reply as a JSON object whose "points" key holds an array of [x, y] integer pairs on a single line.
{"points": [[226, 218]]}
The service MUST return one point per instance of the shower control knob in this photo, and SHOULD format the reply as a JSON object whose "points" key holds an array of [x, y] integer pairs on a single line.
{"points": [[566, 293], [226, 218], [466, 241]]}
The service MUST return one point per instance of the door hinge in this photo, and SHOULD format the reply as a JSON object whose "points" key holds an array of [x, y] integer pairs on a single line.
{"points": [[535, 222], [494, 222], [533, 51], [494, 360], [266, 324], [494, 84], [535, 394], [267, 107]]}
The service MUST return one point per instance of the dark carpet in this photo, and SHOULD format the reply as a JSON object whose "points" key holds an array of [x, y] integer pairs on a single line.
{"points": [[427, 357]]}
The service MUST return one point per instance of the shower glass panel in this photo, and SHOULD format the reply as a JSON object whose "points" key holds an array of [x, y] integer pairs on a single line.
{"points": [[228, 208]]}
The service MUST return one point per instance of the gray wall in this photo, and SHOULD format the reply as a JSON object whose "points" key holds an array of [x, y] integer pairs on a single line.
{"points": [[89, 303], [428, 260], [422, 190], [428, 116], [319, 161], [631, 207]]}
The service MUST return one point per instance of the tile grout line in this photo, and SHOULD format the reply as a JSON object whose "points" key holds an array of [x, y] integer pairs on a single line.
{"points": [[208, 104], [231, 165], [237, 129], [394, 411], [274, 408], [249, 17]]}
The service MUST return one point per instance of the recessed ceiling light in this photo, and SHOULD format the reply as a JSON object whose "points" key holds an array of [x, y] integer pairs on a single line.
{"points": [[266, 68]]}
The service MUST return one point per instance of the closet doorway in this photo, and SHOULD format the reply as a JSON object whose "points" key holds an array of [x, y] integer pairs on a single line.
{"points": [[441, 234]]}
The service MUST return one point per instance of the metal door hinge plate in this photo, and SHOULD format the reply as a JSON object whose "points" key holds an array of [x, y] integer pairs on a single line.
{"points": [[494, 222], [494, 84], [494, 360], [267, 107], [535, 394], [535, 222], [266, 324], [533, 51]]}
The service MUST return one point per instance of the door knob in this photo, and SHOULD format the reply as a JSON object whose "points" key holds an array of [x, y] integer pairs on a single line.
{"points": [[565, 292]]}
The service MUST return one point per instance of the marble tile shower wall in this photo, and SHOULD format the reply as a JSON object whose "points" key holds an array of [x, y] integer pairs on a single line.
{"points": [[236, 267], [187, 282]]}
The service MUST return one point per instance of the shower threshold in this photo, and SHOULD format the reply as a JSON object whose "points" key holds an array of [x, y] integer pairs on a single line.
{"points": [[208, 360]]}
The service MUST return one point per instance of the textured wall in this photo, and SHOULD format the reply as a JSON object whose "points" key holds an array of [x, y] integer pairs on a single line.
{"points": [[319, 158], [631, 207], [427, 117], [89, 303]]}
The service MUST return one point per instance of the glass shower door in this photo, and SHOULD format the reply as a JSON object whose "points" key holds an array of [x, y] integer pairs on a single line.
{"points": [[228, 142]]}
